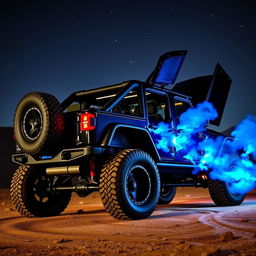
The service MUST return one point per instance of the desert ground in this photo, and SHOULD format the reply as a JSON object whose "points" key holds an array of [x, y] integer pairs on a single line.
{"points": [[190, 225]]}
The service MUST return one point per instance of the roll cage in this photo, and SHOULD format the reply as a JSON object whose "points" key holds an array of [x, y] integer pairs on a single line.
{"points": [[110, 96]]}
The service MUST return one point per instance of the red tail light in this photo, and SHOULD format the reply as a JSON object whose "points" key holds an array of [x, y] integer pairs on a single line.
{"points": [[87, 122]]}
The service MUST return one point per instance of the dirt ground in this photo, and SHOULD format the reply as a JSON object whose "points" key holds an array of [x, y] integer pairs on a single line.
{"points": [[191, 225]]}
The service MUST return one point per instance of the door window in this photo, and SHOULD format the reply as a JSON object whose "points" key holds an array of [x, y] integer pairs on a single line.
{"points": [[158, 108], [129, 105]]}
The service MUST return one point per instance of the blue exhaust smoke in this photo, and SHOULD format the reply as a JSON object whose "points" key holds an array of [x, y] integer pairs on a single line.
{"points": [[231, 159]]}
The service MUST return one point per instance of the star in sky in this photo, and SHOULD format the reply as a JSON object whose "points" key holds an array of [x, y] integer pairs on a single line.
{"points": [[39, 58]]}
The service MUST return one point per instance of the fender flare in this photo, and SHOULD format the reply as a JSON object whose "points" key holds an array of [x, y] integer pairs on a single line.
{"points": [[113, 129]]}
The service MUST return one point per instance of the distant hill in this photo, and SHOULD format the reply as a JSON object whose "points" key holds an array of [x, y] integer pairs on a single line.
{"points": [[7, 148]]}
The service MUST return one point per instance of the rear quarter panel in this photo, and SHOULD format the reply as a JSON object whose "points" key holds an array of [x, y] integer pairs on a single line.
{"points": [[104, 120]]}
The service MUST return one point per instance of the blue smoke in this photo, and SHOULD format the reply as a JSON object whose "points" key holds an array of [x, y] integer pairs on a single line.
{"points": [[231, 159]]}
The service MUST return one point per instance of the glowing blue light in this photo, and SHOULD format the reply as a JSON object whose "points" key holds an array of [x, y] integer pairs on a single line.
{"points": [[195, 119], [228, 160], [46, 157]]}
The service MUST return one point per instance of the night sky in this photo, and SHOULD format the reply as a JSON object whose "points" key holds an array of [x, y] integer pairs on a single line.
{"points": [[64, 46]]}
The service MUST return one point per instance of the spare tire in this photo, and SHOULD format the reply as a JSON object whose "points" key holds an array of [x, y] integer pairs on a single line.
{"points": [[38, 123]]}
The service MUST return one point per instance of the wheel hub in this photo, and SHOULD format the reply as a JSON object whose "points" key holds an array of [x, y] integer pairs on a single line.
{"points": [[40, 189], [32, 124], [138, 185], [133, 185]]}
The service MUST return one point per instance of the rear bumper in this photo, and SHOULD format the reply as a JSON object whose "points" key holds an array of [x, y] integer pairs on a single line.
{"points": [[66, 155]]}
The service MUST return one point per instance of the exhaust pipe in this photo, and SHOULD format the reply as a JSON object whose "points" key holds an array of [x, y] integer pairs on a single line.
{"points": [[63, 170]]}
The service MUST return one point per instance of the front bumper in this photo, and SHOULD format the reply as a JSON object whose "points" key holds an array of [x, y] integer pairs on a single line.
{"points": [[66, 155]]}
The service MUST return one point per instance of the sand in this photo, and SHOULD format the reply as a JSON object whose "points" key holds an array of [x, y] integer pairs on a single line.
{"points": [[190, 225]]}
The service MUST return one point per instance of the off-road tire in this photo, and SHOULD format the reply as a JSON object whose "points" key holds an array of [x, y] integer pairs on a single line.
{"points": [[130, 185], [221, 195], [23, 195], [38, 123], [166, 195]]}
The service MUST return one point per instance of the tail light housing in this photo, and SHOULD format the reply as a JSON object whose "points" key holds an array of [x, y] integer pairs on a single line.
{"points": [[87, 122]]}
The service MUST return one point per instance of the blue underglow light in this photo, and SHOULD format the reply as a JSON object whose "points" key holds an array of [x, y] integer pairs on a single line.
{"points": [[230, 160], [46, 157]]}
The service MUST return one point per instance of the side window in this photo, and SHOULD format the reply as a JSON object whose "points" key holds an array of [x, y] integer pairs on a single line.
{"points": [[158, 108], [180, 107], [129, 105]]}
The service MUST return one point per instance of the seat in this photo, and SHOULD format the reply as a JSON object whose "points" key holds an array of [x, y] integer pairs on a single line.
{"points": [[153, 116]]}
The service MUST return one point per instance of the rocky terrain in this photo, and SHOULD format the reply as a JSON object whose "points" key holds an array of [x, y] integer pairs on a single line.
{"points": [[191, 225]]}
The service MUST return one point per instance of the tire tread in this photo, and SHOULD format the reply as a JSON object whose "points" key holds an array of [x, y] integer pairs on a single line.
{"points": [[108, 179], [220, 194]]}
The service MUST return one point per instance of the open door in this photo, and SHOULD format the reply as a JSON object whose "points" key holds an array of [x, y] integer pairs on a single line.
{"points": [[213, 88], [218, 92], [167, 68]]}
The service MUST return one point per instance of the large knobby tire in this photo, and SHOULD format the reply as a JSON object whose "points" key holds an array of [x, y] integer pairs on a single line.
{"points": [[221, 194], [30, 196], [167, 194], [38, 123], [130, 185]]}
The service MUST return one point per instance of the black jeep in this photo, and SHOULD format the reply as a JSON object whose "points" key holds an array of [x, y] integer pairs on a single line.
{"points": [[102, 139]]}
